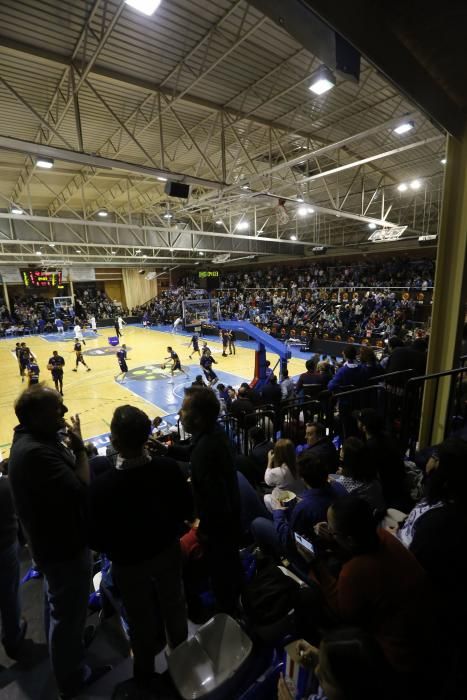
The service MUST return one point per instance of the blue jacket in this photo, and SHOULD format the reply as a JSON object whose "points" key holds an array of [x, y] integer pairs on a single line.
{"points": [[312, 509], [349, 375]]}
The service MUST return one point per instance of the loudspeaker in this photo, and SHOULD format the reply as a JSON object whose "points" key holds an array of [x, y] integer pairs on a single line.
{"points": [[177, 189]]}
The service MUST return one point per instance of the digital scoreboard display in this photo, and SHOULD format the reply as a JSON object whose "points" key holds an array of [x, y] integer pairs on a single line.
{"points": [[203, 274], [40, 278]]}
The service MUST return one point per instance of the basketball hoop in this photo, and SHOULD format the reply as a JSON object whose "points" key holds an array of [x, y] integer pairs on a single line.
{"points": [[392, 233], [281, 213]]}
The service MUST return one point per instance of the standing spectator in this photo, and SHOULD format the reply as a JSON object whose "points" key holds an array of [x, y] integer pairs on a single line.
{"points": [[13, 628], [310, 377], [271, 393], [232, 339], [215, 489], [144, 546], [287, 386], [224, 338], [49, 483]]}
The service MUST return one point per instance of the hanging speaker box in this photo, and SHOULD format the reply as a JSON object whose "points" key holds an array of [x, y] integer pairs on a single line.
{"points": [[177, 189]]}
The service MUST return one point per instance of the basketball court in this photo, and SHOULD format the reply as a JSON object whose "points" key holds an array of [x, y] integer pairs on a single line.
{"points": [[96, 394]]}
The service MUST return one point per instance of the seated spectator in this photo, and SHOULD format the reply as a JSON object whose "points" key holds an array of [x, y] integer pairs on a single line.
{"points": [[287, 386], [349, 665], [254, 464], [276, 537], [350, 374], [139, 532], [381, 587], [282, 471], [384, 453], [198, 381], [311, 377], [317, 442], [241, 407], [393, 343], [359, 475], [436, 529], [369, 364], [408, 357]]}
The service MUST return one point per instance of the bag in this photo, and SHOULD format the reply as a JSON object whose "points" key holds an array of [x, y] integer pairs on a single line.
{"points": [[270, 595]]}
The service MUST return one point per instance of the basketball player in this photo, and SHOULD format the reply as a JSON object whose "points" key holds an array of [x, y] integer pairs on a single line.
{"points": [[121, 357], [55, 365], [78, 333], [204, 347], [175, 361], [92, 321], [206, 363], [79, 356], [33, 372], [224, 336], [18, 356], [195, 342], [232, 339], [25, 357], [177, 322]]}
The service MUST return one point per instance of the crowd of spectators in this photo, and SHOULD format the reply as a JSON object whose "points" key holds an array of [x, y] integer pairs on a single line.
{"points": [[364, 301], [381, 585]]}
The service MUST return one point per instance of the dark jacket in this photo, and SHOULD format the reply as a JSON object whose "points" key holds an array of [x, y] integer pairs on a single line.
{"points": [[8, 519], [49, 498], [240, 408], [271, 393], [137, 512], [406, 358], [325, 450], [214, 481]]}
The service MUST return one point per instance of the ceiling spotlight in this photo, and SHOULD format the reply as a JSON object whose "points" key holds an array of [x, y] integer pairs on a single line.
{"points": [[415, 185], [244, 187], [372, 226], [300, 199], [323, 81], [444, 161], [219, 222], [114, 252], [38, 252], [167, 216], [138, 251], [103, 213], [16, 210], [52, 245], [162, 179], [46, 163], [201, 252], [303, 211], [147, 7], [243, 225], [404, 127], [402, 187], [293, 237], [77, 251]]}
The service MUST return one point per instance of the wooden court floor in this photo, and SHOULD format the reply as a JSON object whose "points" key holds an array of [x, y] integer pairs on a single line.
{"points": [[96, 394]]}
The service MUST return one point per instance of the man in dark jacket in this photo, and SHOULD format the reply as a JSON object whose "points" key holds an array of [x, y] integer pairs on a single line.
{"points": [[318, 443], [13, 628], [137, 512], [49, 483], [241, 407], [215, 490]]}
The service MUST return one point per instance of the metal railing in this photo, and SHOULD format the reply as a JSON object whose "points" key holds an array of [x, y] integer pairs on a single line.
{"points": [[456, 414]]}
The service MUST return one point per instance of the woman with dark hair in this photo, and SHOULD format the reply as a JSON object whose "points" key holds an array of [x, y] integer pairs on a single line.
{"points": [[349, 665], [369, 363], [359, 475]]}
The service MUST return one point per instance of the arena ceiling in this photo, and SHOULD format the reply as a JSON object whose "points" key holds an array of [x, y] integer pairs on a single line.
{"points": [[211, 93]]}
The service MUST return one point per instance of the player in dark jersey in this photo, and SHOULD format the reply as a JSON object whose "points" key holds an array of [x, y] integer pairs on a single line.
{"points": [[55, 365], [33, 372], [79, 356], [225, 341], [206, 363], [121, 357], [25, 357], [195, 342], [175, 361], [232, 339], [18, 356]]}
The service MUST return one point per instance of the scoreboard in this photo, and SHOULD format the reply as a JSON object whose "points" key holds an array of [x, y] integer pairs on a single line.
{"points": [[209, 279], [40, 278]]}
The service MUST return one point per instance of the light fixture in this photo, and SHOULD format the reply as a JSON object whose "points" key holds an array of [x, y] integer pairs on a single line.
{"points": [[244, 187], [201, 252], [243, 225], [372, 226], [38, 252], [162, 179], [415, 185], [293, 237], [219, 222], [303, 211], [52, 245], [402, 187], [103, 213], [16, 210], [77, 251], [444, 161], [114, 252], [300, 199], [323, 81], [404, 127], [138, 251], [147, 7], [46, 163], [167, 216]]}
